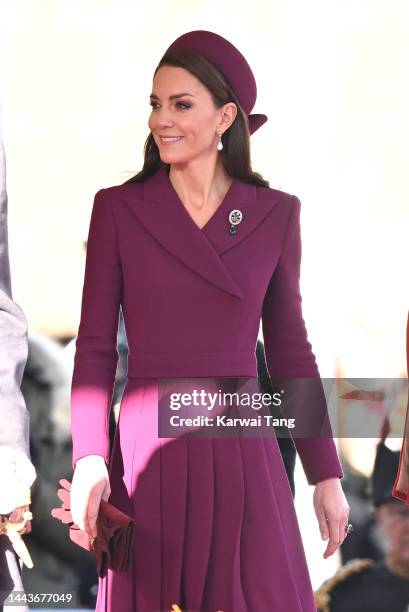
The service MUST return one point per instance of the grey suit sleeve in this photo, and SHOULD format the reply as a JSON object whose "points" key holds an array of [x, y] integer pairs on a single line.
{"points": [[14, 417]]}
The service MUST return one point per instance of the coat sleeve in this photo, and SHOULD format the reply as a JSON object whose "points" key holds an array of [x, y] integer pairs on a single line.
{"points": [[15, 418], [96, 354], [289, 356]]}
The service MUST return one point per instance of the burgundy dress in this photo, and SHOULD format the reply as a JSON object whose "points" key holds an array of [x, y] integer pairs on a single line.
{"points": [[216, 527]]}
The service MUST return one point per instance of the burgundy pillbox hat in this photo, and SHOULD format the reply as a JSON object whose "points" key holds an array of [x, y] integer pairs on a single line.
{"points": [[231, 63]]}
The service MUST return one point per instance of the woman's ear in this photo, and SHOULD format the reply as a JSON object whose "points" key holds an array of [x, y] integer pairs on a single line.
{"points": [[228, 115]]}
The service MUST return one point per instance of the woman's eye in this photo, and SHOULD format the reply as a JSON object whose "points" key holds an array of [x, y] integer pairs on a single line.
{"points": [[182, 105]]}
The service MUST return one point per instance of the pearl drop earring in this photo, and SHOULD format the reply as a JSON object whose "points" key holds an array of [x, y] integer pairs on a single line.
{"points": [[219, 144]]}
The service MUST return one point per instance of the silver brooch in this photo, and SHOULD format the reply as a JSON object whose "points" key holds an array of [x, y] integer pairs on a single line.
{"points": [[235, 217]]}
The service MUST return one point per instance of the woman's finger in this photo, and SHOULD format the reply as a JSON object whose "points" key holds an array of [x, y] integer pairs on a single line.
{"points": [[78, 507], [334, 540], [322, 522], [107, 492], [90, 522], [344, 524], [342, 528]]}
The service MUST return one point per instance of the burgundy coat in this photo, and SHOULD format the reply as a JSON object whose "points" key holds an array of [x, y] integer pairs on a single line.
{"points": [[192, 300]]}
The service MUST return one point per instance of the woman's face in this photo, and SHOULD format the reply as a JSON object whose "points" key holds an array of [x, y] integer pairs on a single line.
{"points": [[192, 117]]}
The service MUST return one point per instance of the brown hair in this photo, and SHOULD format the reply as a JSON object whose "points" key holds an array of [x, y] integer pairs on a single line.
{"points": [[236, 140]]}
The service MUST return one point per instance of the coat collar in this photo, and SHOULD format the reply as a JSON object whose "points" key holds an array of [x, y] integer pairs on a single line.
{"points": [[164, 215]]}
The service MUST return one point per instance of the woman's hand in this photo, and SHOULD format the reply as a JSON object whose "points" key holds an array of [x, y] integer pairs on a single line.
{"points": [[90, 484], [332, 510]]}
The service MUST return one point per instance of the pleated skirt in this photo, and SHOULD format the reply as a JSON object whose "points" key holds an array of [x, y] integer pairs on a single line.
{"points": [[215, 524]]}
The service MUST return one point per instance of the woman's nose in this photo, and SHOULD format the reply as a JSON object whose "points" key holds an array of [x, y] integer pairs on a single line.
{"points": [[164, 120]]}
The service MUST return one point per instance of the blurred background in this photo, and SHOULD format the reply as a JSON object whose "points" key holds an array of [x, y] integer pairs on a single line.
{"points": [[332, 78]]}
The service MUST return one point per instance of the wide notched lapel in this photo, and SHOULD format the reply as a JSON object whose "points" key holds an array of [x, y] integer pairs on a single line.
{"points": [[163, 214]]}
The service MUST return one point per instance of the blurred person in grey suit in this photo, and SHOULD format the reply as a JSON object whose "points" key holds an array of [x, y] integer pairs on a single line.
{"points": [[34, 374], [17, 473]]}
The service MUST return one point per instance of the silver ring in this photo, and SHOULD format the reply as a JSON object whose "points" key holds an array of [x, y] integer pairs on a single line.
{"points": [[348, 528]]}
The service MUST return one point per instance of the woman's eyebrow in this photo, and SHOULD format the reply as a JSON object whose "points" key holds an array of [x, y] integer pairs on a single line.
{"points": [[178, 95]]}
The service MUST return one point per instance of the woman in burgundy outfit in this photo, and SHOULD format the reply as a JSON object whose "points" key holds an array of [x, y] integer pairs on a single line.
{"points": [[197, 249]]}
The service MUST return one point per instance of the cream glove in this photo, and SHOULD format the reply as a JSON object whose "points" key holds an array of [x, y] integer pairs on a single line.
{"points": [[89, 485], [17, 474]]}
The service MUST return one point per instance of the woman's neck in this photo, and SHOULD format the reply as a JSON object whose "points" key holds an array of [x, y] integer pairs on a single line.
{"points": [[200, 190]]}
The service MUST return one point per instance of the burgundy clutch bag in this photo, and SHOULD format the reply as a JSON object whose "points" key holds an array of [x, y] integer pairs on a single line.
{"points": [[115, 532]]}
